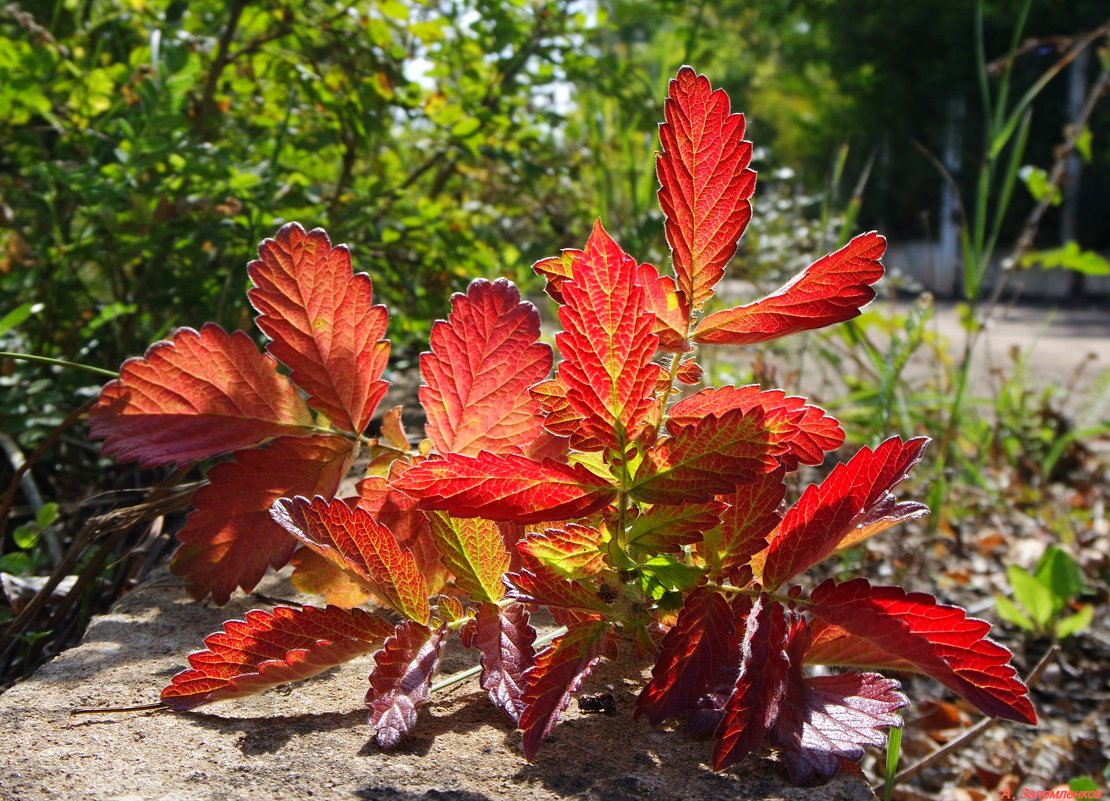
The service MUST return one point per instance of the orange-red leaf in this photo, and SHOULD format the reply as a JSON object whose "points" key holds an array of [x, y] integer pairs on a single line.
{"points": [[807, 432], [574, 551], [483, 359], [707, 458], [752, 514], [672, 312], [315, 575], [322, 323], [505, 487], [474, 551], [557, 271], [607, 346], [199, 394], [855, 493], [359, 544], [689, 656], [229, 539], [831, 290], [543, 586], [266, 650], [559, 671], [919, 634], [399, 513], [401, 680], [704, 182], [504, 637]]}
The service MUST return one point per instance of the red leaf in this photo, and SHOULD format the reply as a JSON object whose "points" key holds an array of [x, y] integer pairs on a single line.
{"points": [[473, 550], [322, 323], [483, 360], [266, 650], [756, 700], [401, 680], [665, 528], [831, 290], [825, 719], [607, 346], [855, 493], [689, 373], [229, 539], [557, 271], [807, 431], [672, 313], [399, 513], [574, 551], [707, 458], [559, 671], [504, 637], [752, 513], [704, 182], [541, 585], [357, 543], [931, 638], [689, 657], [505, 487], [199, 394], [315, 575]]}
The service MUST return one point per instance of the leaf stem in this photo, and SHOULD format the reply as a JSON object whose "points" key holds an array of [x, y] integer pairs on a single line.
{"points": [[30, 357], [474, 670]]}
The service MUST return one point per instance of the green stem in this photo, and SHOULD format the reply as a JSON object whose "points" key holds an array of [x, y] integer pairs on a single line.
{"points": [[30, 357], [471, 672]]}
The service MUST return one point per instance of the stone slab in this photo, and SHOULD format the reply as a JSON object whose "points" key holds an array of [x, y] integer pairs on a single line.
{"points": [[311, 741]]}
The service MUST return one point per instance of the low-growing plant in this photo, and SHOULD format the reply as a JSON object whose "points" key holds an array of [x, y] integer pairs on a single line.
{"points": [[1043, 596], [638, 518]]}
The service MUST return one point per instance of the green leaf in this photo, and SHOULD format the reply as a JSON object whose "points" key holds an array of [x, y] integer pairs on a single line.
{"points": [[1059, 572], [1083, 784], [1068, 257], [1039, 186], [18, 315], [47, 514], [1033, 595], [26, 536], [1083, 143], [1073, 624], [667, 573], [1008, 611]]}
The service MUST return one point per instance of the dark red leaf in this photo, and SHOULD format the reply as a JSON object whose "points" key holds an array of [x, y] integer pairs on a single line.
{"points": [[266, 650], [919, 634], [756, 700], [483, 359], [322, 323], [357, 543], [704, 182], [401, 680], [505, 637], [557, 674], [229, 539], [855, 495], [199, 394], [607, 345], [707, 458], [689, 657], [831, 290], [505, 487]]}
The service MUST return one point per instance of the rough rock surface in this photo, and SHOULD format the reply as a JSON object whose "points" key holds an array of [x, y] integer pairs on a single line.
{"points": [[311, 740]]}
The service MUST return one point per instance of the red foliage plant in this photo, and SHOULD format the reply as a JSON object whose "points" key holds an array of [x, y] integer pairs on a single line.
{"points": [[632, 515]]}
